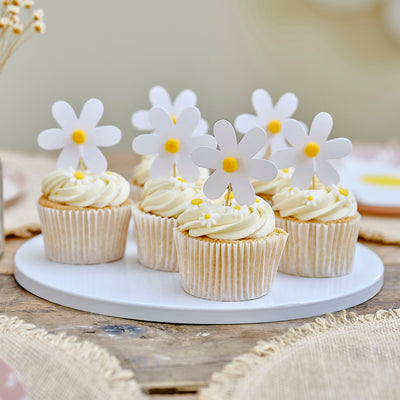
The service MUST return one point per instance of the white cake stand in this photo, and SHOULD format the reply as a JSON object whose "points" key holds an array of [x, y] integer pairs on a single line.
{"points": [[126, 289]]}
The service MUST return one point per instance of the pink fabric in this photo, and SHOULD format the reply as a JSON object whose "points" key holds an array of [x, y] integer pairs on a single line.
{"points": [[11, 386]]}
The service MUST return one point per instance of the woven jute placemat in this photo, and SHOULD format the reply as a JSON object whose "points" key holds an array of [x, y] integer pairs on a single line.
{"points": [[60, 367], [348, 357]]}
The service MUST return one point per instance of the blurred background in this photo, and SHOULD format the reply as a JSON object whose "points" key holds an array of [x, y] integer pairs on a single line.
{"points": [[337, 56]]}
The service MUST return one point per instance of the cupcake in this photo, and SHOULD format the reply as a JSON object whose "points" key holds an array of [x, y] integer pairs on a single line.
{"points": [[155, 219], [268, 189], [84, 213], [228, 253], [164, 198], [323, 227], [141, 174], [84, 216], [319, 215]]}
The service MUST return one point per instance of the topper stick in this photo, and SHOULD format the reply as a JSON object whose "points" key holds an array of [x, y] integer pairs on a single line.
{"points": [[267, 155], [174, 170], [228, 195], [313, 182], [81, 164]]}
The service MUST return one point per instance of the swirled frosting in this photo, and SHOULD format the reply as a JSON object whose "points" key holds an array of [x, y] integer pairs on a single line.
{"points": [[322, 204], [233, 222], [167, 197], [281, 181], [141, 173], [85, 189]]}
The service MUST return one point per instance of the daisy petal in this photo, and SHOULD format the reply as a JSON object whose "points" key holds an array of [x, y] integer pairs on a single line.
{"points": [[187, 169], [263, 170], [206, 157], [92, 112], [294, 132], [159, 97], [277, 142], [243, 190], [262, 103], [188, 121], [321, 127], [302, 175], [252, 142], [147, 144], [64, 114], [336, 148], [286, 105], [160, 120], [140, 120], [185, 99], [225, 135], [201, 128], [287, 157], [94, 159], [215, 185], [162, 166], [69, 157], [203, 141], [107, 135], [51, 139], [245, 122], [326, 173]]}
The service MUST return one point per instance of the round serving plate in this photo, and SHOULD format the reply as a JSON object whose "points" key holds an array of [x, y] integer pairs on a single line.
{"points": [[126, 289]]}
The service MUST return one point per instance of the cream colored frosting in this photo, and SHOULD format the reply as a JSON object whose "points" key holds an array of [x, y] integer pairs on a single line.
{"points": [[167, 197], [233, 222], [88, 190], [322, 204], [141, 173], [281, 181]]}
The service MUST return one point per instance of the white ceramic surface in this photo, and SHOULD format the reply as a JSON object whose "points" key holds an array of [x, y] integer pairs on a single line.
{"points": [[126, 289]]}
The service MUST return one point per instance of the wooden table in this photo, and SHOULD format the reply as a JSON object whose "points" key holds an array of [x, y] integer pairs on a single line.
{"points": [[170, 361]]}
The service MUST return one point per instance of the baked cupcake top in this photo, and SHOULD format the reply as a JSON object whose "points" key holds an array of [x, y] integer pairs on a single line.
{"points": [[167, 197], [85, 189], [322, 204], [232, 222], [281, 181]]}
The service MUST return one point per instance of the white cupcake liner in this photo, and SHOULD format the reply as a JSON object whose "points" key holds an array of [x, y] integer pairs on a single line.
{"points": [[319, 250], [228, 270], [136, 192], [155, 240], [86, 236]]}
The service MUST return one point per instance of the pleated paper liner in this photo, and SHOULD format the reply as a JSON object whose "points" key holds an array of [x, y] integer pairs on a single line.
{"points": [[229, 270], [85, 236], [155, 240], [318, 249]]}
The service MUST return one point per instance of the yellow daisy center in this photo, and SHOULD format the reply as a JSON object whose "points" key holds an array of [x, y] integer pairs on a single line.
{"points": [[196, 202], [207, 216], [274, 126], [79, 175], [290, 189], [311, 150], [174, 119], [237, 208], [344, 191], [257, 200], [310, 198], [181, 180], [172, 145], [286, 170], [79, 136], [230, 164]]}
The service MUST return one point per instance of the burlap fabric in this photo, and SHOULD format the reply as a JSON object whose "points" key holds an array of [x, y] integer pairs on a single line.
{"points": [[349, 357], [58, 367]]}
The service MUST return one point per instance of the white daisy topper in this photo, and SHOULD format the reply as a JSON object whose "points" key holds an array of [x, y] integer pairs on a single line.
{"points": [[311, 153], [234, 163], [173, 143], [79, 138], [268, 117], [159, 97]]}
